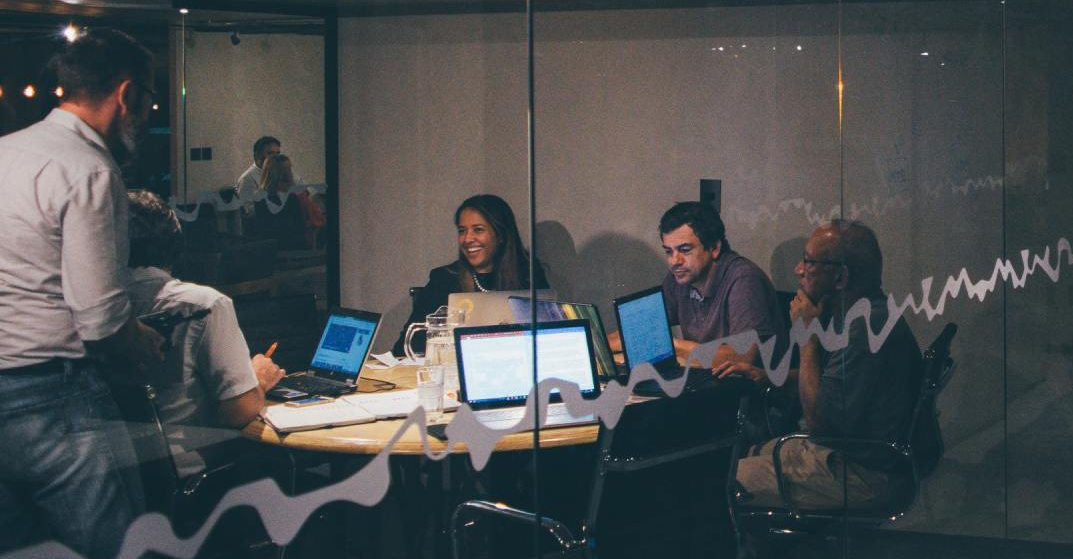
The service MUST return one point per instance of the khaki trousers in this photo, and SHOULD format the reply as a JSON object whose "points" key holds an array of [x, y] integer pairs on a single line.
{"points": [[813, 475]]}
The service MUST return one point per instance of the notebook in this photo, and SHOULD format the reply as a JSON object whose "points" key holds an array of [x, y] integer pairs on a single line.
{"points": [[332, 414], [495, 369], [548, 311], [490, 307], [337, 362], [646, 338]]}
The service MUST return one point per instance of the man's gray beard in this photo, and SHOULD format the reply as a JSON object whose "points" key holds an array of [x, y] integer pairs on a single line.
{"points": [[125, 146], [128, 135]]}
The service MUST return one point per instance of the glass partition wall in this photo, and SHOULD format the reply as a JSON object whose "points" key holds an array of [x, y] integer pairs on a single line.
{"points": [[944, 127], [941, 126], [252, 86]]}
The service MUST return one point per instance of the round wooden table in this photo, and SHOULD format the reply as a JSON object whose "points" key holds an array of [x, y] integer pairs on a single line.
{"points": [[373, 438]]}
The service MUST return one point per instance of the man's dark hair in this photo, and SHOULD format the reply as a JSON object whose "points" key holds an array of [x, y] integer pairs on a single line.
{"points": [[156, 238], [262, 144], [93, 65], [704, 221], [858, 247]]}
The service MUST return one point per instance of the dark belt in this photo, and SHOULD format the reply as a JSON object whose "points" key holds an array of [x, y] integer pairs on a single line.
{"points": [[50, 366]]}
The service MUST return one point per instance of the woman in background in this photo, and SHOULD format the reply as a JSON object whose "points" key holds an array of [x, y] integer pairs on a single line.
{"points": [[276, 179], [491, 257]]}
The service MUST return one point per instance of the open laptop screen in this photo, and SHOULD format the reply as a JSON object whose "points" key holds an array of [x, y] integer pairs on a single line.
{"points": [[548, 311], [345, 342], [646, 334], [495, 362]]}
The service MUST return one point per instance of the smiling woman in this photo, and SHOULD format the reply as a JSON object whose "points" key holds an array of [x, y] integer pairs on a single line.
{"points": [[491, 257]]}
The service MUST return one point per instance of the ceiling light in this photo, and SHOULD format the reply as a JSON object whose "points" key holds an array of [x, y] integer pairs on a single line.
{"points": [[70, 33], [29, 91]]}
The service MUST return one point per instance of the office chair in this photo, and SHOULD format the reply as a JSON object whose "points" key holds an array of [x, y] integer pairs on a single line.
{"points": [[918, 452], [649, 434], [185, 500], [166, 490]]}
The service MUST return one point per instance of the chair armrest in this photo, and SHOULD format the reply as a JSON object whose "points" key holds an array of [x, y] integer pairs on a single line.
{"points": [[556, 529], [193, 483], [896, 449]]}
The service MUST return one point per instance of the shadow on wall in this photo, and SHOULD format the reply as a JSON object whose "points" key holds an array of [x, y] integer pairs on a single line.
{"points": [[607, 266], [783, 261]]}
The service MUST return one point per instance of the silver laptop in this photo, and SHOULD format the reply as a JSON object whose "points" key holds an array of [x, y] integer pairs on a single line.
{"points": [[495, 369], [490, 307]]}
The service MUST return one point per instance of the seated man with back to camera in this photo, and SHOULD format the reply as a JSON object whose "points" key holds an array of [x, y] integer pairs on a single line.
{"points": [[711, 291], [207, 380], [849, 392]]}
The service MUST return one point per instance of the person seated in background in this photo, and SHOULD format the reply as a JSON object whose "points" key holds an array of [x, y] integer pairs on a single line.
{"points": [[491, 257], [850, 392], [250, 179], [711, 291], [247, 182], [276, 180], [207, 380]]}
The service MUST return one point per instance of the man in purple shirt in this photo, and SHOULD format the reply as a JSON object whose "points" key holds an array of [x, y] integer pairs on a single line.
{"points": [[711, 291]]}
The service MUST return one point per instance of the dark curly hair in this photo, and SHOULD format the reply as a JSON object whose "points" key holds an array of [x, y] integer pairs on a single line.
{"points": [[156, 238], [704, 221]]}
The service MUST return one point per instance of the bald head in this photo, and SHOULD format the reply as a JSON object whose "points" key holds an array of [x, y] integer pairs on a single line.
{"points": [[855, 245]]}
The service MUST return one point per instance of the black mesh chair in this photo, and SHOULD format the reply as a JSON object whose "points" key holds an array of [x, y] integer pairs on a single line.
{"points": [[648, 435], [188, 500], [917, 453]]}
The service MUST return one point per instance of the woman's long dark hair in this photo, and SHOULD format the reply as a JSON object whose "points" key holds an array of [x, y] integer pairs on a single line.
{"points": [[511, 260]]}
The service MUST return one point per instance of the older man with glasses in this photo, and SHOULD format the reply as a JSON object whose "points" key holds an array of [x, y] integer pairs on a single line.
{"points": [[847, 392]]}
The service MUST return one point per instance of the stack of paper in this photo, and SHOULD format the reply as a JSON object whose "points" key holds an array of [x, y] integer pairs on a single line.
{"points": [[286, 419]]}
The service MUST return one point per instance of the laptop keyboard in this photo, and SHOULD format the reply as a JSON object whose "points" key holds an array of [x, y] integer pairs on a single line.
{"points": [[557, 414], [314, 385]]}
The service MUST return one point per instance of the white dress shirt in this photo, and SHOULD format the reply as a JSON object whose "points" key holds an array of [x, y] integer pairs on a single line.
{"points": [[63, 241]]}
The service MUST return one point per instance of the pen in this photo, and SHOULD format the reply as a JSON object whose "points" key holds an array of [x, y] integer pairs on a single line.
{"points": [[271, 349]]}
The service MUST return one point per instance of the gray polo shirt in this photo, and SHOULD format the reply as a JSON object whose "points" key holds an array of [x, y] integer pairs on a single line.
{"points": [[737, 297], [63, 241]]}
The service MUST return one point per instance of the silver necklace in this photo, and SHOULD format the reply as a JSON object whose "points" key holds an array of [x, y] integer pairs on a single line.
{"points": [[477, 284]]}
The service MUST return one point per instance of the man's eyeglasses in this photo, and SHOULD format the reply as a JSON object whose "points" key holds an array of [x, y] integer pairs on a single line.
{"points": [[150, 92], [812, 261]]}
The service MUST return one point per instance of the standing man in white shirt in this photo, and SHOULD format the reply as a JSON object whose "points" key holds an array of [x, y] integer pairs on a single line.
{"points": [[66, 472]]}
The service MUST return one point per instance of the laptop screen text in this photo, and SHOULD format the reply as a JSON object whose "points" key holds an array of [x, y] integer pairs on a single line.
{"points": [[498, 365]]}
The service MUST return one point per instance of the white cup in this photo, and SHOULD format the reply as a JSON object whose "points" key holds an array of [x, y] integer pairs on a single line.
{"points": [[430, 391]]}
